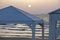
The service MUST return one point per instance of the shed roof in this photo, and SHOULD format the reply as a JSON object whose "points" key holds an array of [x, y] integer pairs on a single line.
{"points": [[12, 14], [55, 12]]}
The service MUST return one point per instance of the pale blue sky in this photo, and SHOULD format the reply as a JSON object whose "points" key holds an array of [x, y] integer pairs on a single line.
{"points": [[36, 6]]}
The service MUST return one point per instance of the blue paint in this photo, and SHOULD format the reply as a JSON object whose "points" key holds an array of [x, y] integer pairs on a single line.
{"points": [[14, 15], [53, 30]]}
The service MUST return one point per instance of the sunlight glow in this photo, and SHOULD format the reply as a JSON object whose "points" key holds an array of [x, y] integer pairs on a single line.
{"points": [[29, 5], [32, 6]]}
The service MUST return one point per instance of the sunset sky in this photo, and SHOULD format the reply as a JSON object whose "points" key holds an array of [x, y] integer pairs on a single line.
{"points": [[32, 6]]}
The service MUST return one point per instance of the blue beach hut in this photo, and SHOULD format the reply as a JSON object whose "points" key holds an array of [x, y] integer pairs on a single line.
{"points": [[54, 31], [14, 15]]}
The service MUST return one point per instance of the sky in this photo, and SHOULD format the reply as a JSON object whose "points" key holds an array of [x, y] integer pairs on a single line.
{"points": [[32, 6]]}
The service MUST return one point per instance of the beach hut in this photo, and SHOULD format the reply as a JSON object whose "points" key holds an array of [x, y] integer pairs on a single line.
{"points": [[14, 15], [54, 31]]}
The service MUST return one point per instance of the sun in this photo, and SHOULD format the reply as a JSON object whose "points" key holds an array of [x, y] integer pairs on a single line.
{"points": [[29, 6]]}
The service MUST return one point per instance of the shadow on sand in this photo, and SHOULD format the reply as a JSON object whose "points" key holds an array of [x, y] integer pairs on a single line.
{"points": [[4, 38]]}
